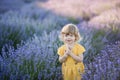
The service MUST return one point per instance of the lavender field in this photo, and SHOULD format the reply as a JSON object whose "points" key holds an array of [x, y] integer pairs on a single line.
{"points": [[29, 38]]}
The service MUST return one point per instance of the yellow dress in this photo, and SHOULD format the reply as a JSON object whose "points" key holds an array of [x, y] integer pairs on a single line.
{"points": [[71, 69]]}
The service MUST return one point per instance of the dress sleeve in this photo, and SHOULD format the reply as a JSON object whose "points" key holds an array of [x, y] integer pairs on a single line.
{"points": [[60, 51], [81, 49]]}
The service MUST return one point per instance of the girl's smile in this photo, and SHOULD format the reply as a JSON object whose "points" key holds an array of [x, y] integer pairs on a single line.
{"points": [[69, 41], [69, 38]]}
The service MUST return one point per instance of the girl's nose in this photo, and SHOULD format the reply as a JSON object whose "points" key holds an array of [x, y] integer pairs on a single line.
{"points": [[68, 36]]}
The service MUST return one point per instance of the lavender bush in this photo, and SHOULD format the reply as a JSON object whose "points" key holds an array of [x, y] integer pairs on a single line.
{"points": [[94, 39], [17, 26], [106, 65], [36, 59]]}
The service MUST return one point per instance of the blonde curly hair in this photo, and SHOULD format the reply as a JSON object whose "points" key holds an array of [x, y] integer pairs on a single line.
{"points": [[70, 29]]}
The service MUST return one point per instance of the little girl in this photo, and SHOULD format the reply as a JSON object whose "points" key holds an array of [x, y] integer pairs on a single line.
{"points": [[71, 53]]}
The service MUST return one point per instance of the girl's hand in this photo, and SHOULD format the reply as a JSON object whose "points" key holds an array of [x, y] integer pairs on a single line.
{"points": [[68, 51]]}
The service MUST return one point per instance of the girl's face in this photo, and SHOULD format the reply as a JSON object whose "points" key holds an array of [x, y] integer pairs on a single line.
{"points": [[69, 38]]}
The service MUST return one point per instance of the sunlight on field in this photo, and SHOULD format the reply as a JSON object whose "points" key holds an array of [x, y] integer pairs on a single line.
{"points": [[112, 15], [79, 8], [107, 18]]}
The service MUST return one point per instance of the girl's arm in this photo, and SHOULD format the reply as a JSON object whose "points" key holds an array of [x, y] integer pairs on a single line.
{"points": [[63, 58], [78, 58]]}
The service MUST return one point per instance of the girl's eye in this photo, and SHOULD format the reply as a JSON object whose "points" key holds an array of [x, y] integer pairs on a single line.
{"points": [[69, 35]]}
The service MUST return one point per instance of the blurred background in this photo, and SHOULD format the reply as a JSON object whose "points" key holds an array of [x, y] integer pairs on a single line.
{"points": [[29, 31]]}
